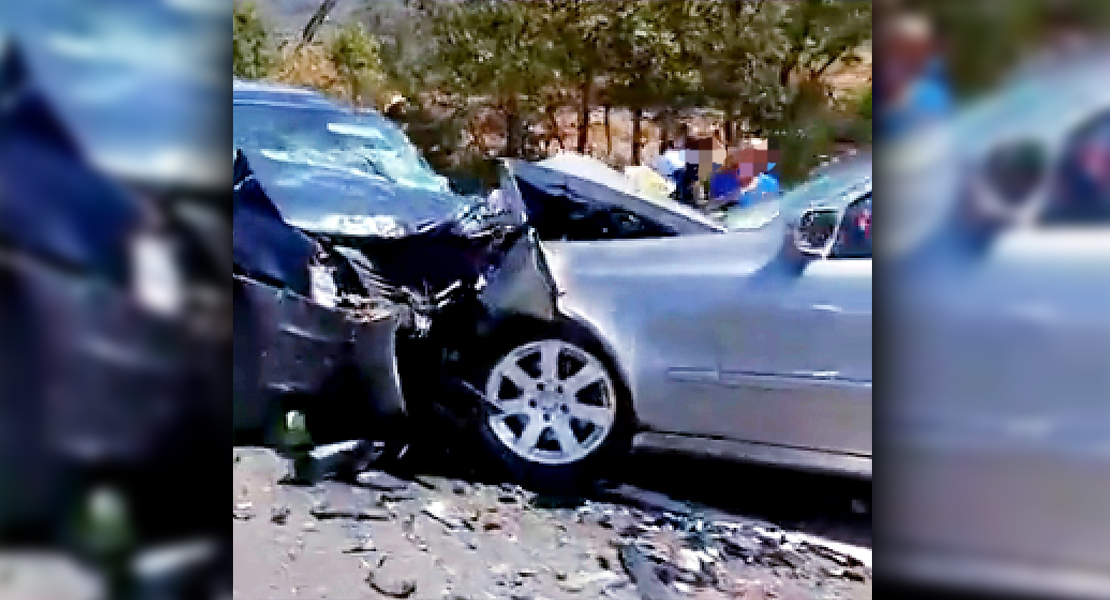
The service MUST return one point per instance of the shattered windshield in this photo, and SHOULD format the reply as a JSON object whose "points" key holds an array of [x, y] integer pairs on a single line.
{"points": [[362, 145]]}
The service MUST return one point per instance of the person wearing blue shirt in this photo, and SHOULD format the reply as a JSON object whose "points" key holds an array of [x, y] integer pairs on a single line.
{"points": [[762, 187], [913, 90], [746, 179]]}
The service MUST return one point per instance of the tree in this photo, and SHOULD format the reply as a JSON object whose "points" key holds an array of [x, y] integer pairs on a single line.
{"points": [[358, 65], [646, 63], [986, 39], [580, 28], [495, 54], [467, 65], [810, 38]]}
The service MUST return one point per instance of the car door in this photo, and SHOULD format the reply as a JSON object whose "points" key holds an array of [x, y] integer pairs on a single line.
{"points": [[657, 303], [796, 350]]}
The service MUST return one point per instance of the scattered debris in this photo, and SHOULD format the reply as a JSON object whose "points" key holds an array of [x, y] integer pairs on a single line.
{"points": [[380, 480], [324, 511], [243, 511], [365, 544], [643, 573], [652, 549], [394, 587], [342, 460], [279, 514], [439, 512], [398, 496]]}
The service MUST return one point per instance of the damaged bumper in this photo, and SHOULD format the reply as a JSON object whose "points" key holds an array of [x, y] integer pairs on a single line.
{"points": [[289, 346]]}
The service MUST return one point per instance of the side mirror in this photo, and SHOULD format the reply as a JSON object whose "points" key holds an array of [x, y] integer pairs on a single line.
{"points": [[1010, 183], [816, 231]]}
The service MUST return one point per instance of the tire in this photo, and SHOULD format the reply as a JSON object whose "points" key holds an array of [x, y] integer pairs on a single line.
{"points": [[598, 415]]}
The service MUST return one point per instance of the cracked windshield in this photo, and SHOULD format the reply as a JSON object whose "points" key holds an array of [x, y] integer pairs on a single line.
{"points": [[364, 145]]}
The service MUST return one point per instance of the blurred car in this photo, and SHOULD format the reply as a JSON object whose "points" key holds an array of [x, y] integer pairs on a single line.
{"points": [[114, 348], [999, 281], [562, 316]]}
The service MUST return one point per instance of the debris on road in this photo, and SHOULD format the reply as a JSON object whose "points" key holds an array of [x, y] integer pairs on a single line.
{"points": [[430, 540], [279, 514], [439, 512], [243, 511], [644, 574], [392, 586], [380, 480]]}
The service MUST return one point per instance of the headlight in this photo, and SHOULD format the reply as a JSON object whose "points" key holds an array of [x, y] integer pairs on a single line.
{"points": [[156, 279], [324, 290]]}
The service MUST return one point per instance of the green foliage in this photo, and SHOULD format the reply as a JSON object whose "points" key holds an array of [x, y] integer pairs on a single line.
{"points": [[358, 64], [253, 55], [985, 39], [488, 77]]}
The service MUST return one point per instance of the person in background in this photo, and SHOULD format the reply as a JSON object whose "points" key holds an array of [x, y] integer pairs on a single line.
{"points": [[671, 162], [725, 182], [913, 88], [764, 184], [748, 177]]}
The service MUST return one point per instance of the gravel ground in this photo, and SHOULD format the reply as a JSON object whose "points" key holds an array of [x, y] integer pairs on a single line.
{"points": [[440, 537]]}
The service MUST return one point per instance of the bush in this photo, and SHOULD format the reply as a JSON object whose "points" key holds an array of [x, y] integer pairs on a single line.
{"points": [[252, 56], [357, 60]]}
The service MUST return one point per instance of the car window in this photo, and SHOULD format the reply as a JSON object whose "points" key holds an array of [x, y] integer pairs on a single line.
{"points": [[1081, 188], [854, 236], [591, 224]]}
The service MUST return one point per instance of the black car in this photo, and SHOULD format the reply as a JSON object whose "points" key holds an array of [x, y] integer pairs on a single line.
{"points": [[116, 337]]}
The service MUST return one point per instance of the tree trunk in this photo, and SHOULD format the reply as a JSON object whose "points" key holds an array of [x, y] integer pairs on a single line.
{"points": [[553, 125], [511, 135], [664, 131], [608, 133], [317, 20], [637, 117], [584, 117]]}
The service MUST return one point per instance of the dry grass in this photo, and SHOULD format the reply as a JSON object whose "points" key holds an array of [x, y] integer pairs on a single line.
{"points": [[310, 65]]}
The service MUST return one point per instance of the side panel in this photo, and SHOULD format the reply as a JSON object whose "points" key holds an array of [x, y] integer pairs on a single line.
{"points": [[657, 303]]}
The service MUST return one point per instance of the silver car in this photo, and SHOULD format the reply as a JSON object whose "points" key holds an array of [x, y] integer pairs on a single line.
{"points": [[998, 419], [751, 340]]}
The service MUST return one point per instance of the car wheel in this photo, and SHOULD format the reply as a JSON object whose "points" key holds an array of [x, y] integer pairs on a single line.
{"points": [[553, 412]]}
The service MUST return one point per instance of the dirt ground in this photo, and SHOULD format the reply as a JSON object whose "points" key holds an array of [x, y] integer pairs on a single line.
{"points": [[436, 537]]}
